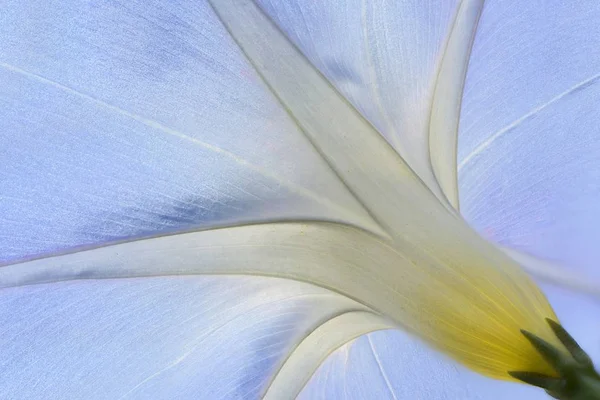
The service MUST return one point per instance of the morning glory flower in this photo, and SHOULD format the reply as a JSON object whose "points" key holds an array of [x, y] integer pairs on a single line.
{"points": [[293, 199]]}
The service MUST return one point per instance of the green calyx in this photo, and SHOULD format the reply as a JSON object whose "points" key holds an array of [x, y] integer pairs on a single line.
{"points": [[577, 380]]}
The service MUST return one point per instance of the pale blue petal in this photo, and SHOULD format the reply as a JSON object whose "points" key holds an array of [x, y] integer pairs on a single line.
{"points": [[384, 57], [111, 105], [529, 141], [154, 338], [125, 120], [394, 365]]}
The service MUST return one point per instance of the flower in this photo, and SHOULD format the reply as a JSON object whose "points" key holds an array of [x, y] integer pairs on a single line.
{"points": [[210, 198]]}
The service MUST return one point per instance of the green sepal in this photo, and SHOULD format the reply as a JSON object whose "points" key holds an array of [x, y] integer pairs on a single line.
{"points": [[577, 379]]}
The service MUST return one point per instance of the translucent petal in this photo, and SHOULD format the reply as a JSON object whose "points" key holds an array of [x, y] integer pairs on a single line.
{"points": [[417, 263], [425, 269], [445, 110], [386, 58], [159, 338], [441, 254], [462, 312], [393, 365], [121, 121], [529, 145]]}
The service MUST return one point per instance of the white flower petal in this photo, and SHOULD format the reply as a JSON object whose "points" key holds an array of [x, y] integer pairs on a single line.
{"points": [[458, 307], [417, 224], [406, 259], [385, 58], [445, 110], [395, 198]]}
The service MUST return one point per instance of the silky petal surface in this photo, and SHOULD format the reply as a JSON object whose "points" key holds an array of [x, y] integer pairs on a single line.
{"points": [[384, 58], [449, 261], [529, 139], [460, 312], [395, 365], [126, 120], [160, 338], [425, 256]]}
